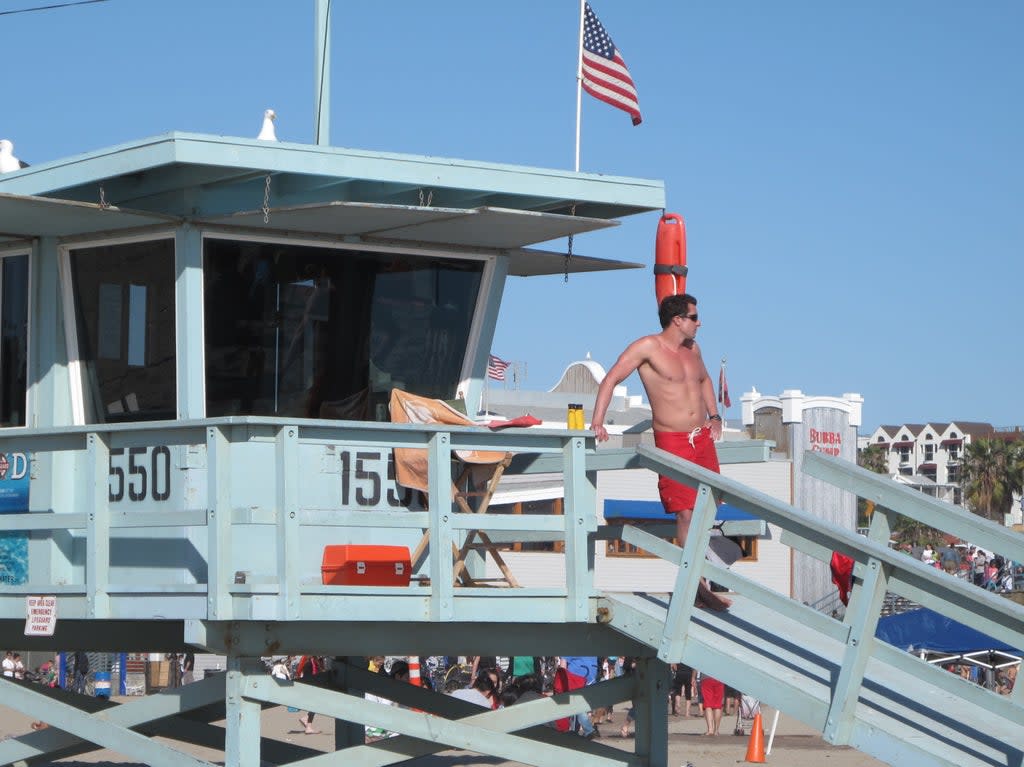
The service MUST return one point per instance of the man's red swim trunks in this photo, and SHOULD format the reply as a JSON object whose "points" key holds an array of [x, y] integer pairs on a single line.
{"points": [[676, 496]]}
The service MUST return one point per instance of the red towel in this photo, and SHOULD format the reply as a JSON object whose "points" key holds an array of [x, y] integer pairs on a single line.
{"points": [[523, 420], [842, 575]]}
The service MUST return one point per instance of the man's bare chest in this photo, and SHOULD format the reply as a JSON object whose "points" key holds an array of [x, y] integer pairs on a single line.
{"points": [[672, 368]]}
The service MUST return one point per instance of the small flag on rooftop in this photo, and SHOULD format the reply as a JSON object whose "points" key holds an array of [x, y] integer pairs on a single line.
{"points": [[496, 368], [723, 387], [604, 72]]}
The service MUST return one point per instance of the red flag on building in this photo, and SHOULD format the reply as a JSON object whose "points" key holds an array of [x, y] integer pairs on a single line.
{"points": [[496, 368], [605, 75], [723, 387]]}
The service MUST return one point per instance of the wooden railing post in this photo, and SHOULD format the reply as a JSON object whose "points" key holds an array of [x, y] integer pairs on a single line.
{"points": [[218, 524], [97, 530], [441, 567], [286, 460], [862, 617], [580, 521], [691, 568]]}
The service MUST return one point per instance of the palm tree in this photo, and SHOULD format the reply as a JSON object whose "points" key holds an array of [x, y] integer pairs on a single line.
{"points": [[993, 470], [872, 458]]}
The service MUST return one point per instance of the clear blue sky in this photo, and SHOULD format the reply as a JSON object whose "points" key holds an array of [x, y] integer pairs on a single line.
{"points": [[851, 174]]}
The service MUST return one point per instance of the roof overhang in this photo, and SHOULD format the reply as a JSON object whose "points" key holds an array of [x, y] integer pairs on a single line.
{"points": [[529, 262], [478, 229], [26, 217], [186, 174], [494, 228]]}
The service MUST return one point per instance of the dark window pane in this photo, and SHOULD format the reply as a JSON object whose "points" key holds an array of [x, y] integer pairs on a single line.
{"points": [[124, 297], [324, 333], [13, 340]]}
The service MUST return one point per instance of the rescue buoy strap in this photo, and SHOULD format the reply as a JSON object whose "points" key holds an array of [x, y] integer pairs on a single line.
{"points": [[679, 270]]}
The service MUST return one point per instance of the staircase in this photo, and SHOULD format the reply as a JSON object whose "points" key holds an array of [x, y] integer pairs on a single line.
{"points": [[833, 674]]}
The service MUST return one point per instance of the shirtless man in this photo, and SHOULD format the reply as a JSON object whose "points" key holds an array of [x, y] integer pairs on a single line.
{"points": [[683, 406]]}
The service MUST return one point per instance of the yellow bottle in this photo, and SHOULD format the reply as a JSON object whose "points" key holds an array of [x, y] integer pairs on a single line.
{"points": [[576, 420]]}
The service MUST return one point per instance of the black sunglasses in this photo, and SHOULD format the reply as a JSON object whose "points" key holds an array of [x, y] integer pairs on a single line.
{"points": [[688, 316]]}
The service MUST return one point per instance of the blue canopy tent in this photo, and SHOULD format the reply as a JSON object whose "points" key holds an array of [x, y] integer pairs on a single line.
{"points": [[734, 521], [939, 639], [730, 522], [925, 629]]}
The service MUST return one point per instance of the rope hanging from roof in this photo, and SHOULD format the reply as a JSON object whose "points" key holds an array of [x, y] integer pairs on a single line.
{"points": [[568, 252]]}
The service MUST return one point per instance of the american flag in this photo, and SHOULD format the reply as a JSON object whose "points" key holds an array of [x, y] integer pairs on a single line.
{"points": [[496, 368], [605, 75]]}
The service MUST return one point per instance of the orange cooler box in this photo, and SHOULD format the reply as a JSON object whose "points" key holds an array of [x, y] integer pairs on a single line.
{"points": [[366, 565]]}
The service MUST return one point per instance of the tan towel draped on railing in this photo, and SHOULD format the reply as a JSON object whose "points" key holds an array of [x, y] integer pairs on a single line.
{"points": [[484, 467], [411, 463]]}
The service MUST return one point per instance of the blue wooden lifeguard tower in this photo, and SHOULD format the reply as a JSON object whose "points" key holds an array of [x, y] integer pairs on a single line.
{"points": [[200, 335]]}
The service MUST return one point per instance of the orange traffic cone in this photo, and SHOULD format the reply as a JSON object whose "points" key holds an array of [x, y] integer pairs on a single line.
{"points": [[755, 748]]}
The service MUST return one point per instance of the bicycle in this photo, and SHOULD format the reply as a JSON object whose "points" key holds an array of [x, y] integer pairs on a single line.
{"points": [[458, 677]]}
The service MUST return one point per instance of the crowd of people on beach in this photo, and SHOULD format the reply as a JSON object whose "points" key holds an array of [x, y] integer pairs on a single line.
{"points": [[1002, 680], [989, 571], [500, 681], [14, 668]]}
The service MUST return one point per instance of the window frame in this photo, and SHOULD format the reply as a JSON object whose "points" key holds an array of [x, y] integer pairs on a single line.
{"points": [[76, 369], [488, 277], [619, 549], [30, 252]]}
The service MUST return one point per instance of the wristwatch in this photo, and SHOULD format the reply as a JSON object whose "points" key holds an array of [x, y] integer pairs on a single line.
{"points": [[715, 417]]}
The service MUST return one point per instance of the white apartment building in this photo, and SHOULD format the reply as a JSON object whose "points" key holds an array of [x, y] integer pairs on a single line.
{"points": [[927, 456]]}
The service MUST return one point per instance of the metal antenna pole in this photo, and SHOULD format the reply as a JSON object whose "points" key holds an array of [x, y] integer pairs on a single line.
{"points": [[322, 72]]}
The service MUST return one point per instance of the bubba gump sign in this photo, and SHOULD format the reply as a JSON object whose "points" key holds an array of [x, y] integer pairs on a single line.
{"points": [[828, 442]]}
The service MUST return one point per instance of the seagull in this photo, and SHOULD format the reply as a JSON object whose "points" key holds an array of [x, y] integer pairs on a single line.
{"points": [[267, 131], [8, 161]]}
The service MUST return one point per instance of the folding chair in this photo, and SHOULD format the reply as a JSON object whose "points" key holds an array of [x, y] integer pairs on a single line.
{"points": [[480, 468]]}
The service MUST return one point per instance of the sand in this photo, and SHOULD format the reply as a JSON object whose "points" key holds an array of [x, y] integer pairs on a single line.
{"points": [[795, 744]]}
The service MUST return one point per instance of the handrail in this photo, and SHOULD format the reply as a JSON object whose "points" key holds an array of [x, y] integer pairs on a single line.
{"points": [[987, 612], [571, 453], [914, 504], [88, 508], [880, 569]]}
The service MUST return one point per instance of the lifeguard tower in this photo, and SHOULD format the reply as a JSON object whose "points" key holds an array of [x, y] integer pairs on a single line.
{"points": [[200, 339]]}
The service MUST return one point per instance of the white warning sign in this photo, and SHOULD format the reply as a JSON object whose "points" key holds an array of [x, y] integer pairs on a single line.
{"points": [[40, 616]]}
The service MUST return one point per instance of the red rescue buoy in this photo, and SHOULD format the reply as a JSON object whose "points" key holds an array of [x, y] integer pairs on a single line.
{"points": [[670, 257]]}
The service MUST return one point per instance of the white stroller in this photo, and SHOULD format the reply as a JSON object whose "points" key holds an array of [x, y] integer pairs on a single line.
{"points": [[749, 708]]}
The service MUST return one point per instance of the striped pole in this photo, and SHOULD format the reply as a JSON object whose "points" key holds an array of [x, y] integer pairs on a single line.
{"points": [[414, 670]]}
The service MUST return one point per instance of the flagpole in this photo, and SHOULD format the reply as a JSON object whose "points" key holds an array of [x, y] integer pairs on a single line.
{"points": [[579, 87]]}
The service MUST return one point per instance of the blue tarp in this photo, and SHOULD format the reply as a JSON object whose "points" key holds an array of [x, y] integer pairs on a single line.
{"points": [[925, 629], [619, 509]]}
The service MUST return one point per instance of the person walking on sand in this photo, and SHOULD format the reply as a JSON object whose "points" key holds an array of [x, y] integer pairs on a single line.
{"points": [[684, 410], [713, 692], [308, 667]]}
